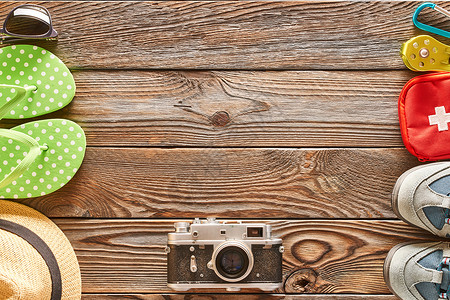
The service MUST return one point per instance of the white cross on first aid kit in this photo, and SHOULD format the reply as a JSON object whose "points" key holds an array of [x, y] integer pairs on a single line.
{"points": [[441, 118]]}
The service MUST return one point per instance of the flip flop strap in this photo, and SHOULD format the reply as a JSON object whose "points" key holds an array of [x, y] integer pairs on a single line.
{"points": [[21, 93], [33, 153]]}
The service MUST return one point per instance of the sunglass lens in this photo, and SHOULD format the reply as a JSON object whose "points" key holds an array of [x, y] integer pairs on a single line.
{"points": [[29, 21]]}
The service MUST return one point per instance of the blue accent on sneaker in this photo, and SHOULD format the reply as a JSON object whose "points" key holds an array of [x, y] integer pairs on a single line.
{"points": [[427, 290], [436, 215], [432, 260], [442, 185]]}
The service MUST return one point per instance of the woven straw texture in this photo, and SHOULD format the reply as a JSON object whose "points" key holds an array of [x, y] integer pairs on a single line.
{"points": [[23, 272]]}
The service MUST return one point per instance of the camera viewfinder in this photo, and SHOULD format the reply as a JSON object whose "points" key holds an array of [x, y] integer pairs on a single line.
{"points": [[254, 231]]}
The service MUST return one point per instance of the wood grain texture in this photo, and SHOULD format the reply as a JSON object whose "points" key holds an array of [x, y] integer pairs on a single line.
{"points": [[341, 257], [230, 34], [237, 296], [241, 109], [235, 183], [231, 82]]}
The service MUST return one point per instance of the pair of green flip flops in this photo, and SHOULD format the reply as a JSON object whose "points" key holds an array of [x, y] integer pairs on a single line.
{"points": [[36, 158]]}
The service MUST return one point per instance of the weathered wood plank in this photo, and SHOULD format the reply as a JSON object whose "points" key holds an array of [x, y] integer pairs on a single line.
{"points": [[257, 109], [234, 183], [237, 296], [230, 34], [343, 256]]}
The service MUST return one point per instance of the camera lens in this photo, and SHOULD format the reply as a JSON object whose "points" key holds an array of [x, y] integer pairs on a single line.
{"points": [[233, 263]]}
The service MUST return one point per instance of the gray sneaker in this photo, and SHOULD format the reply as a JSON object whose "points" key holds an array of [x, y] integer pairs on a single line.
{"points": [[418, 271], [421, 197]]}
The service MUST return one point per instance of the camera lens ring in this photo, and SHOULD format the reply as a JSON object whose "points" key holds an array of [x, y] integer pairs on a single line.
{"points": [[232, 262], [232, 248]]}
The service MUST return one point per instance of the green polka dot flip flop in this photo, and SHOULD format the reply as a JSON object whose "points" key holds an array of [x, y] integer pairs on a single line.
{"points": [[33, 82], [38, 158]]}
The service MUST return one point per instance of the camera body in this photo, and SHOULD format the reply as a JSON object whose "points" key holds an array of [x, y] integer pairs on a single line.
{"points": [[220, 254]]}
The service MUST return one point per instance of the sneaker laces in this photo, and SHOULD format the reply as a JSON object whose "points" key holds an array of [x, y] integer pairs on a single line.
{"points": [[447, 214], [444, 288]]}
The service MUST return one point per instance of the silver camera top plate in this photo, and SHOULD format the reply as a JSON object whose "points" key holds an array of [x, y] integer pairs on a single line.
{"points": [[212, 231]]}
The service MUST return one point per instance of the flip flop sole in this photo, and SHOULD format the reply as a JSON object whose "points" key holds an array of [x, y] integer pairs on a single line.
{"points": [[53, 168], [26, 65]]}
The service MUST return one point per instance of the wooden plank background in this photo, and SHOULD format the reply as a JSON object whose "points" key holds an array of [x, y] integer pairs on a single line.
{"points": [[280, 111], [259, 108], [256, 35], [323, 256], [231, 183]]}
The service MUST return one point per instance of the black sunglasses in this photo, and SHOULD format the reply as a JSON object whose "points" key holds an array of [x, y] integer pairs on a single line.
{"points": [[28, 21]]}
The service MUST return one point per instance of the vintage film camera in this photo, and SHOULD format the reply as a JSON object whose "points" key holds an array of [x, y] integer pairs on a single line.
{"points": [[220, 254]]}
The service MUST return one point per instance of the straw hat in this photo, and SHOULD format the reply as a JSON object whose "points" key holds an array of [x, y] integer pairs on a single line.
{"points": [[36, 259]]}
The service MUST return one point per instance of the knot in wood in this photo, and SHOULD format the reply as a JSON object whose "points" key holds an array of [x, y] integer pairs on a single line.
{"points": [[301, 281], [220, 118]]}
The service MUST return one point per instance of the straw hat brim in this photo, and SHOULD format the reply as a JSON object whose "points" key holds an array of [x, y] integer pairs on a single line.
{"points": [[33, 250]]}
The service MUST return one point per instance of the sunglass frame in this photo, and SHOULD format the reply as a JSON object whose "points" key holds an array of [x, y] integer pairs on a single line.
{"points": [[6, 35]]}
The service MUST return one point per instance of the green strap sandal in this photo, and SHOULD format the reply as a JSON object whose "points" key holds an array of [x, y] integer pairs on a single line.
{"points": [[38, 158], [33, 82], [19, 93]]}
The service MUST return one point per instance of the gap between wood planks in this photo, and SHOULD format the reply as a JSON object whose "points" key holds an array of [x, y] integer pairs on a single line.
{"points": [[237, 296]]}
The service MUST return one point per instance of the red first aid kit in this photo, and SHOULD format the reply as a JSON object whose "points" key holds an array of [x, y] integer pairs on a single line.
{"points": [[424, 113]]}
